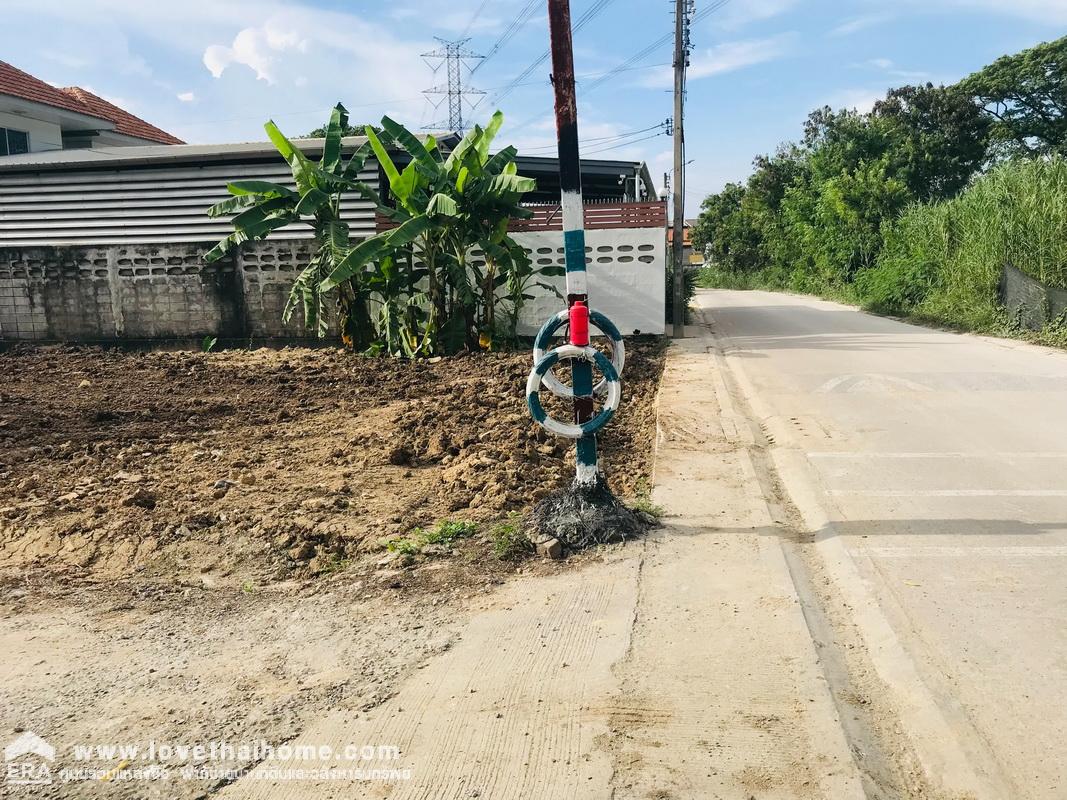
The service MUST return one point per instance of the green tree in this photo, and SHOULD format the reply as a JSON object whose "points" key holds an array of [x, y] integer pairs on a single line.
{"points": [[263, 207], [1026, 95], [415, 289], [348, 130], [445, 208], [940, 138]]}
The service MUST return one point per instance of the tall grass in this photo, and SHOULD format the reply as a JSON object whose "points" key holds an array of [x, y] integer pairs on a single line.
{"points": [[942, 261]]}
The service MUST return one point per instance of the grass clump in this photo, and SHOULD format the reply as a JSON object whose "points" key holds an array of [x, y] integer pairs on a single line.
{"points": [[444, 533], [642, 501], [509, 541]]}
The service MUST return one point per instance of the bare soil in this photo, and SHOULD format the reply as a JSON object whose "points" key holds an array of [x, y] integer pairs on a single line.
{"points": [[246, 468], [192, 545]]}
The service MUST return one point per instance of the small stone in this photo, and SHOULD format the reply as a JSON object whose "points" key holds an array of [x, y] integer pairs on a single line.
{"points": [[434, 550], [648, 519], [248, 478], [553, 549], [85, 384], [400, 456], [302, 552], [142, 498], [220, 493]]}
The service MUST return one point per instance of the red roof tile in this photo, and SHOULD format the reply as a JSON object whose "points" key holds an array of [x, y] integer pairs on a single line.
{"points": [[125, 122], [16, 83]]}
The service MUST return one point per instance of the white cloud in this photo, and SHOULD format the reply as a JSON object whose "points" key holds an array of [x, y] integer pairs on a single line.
{"points": [[736, 15], [848, 27], [861, 100], [889, 68], [256, 48], [187, 97], [727, 57], [66, 59]]}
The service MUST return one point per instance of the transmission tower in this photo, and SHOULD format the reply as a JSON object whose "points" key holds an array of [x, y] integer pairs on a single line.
{"points": [[453, 56]]}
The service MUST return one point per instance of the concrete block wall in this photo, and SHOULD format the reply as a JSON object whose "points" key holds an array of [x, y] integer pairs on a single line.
{"points": [[132, 292], [145, 292], [1032, 303]]}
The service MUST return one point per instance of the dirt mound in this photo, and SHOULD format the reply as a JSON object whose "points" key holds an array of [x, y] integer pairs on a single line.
{"points": [[218, 468]]}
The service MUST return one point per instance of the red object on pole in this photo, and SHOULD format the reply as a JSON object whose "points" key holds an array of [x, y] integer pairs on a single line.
{"points": [[579, 319]]}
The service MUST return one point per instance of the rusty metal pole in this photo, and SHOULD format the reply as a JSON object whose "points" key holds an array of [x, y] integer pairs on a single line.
{"points": [[570, 183]]}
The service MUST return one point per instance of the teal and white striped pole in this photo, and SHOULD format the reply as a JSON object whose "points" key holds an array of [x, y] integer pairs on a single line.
{"points": [[578, 315], [570, 184]]}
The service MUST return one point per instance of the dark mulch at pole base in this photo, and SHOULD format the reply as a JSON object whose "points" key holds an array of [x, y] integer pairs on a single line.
{"points": [[582, 516]]}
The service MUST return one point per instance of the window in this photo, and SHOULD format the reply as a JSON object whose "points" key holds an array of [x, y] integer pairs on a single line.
{"points": [[13, 142]]}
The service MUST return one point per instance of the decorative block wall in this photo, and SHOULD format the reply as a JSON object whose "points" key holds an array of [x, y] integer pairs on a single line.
{"points": [[147, 292]]}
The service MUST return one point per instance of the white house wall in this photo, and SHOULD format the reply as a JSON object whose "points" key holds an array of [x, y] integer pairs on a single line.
{"points": [[43, 135], [626, 271]]}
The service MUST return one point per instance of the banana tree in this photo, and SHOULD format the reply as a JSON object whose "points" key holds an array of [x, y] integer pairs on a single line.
{"points": [[261, 207], [444, 208]]}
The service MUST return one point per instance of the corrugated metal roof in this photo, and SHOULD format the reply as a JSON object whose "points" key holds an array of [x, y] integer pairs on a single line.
{"points": [[148, 203], [158, 154]]}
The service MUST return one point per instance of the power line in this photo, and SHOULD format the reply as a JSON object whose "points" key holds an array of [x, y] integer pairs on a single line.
{"points": [[524, 16], [623, 144], [653, 47], [474, 19], [585, 19], [631, 63], [599, 140]]}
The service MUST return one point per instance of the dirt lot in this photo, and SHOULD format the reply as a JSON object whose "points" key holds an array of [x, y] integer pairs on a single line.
{"points": [[193, 545], [237, 468]]}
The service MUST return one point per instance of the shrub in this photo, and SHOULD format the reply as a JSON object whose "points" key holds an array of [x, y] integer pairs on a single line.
{"points": [[509, 541], [943, 260]]}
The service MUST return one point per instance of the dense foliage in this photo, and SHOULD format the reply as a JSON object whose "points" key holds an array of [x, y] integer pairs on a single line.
{"points": [[943, 261], [869, 206], [444, 276]]}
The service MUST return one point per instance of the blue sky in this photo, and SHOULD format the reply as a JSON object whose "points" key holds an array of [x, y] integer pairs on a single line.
{"points": [[214, 70]]}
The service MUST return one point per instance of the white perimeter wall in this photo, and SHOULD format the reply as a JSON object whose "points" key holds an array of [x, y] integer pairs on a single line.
{"points": [[626, 269]]}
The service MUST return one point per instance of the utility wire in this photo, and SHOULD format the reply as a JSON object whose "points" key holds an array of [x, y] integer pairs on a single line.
{"points": [[631, 63], [524, 16], [585, 19], [623, 144], [711, 9], [474, 19], [597, 140]]}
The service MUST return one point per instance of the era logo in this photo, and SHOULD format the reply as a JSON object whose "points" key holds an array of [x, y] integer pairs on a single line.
{"points": [[27, 760]]}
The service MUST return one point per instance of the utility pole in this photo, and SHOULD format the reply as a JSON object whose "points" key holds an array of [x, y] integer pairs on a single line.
{"points": [[451, 55], [681, 57], [586, 512], [570, 184]]}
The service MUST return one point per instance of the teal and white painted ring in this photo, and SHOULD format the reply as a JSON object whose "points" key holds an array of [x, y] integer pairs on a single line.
{"points": [[543, 341], [541, 369]]}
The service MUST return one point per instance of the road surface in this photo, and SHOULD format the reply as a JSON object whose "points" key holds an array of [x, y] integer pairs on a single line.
{"points": [[931, 469], [859, 593]]}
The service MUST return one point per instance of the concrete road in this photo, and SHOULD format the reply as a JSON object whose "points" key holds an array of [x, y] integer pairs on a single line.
{"points": [[677, 667], [931, 470]]}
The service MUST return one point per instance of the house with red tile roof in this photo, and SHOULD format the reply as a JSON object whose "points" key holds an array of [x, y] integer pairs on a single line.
{"points": [[36, 116]]}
